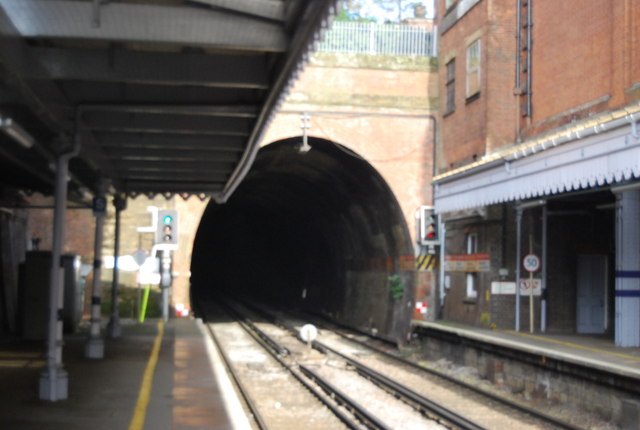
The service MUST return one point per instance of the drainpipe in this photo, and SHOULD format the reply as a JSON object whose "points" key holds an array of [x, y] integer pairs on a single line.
{"points": [[518, 42], [434, 136], [517, 91], [439, 296], [529, 46], [54, 381]]}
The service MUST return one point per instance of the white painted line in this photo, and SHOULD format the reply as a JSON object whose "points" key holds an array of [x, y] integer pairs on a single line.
{"points": [[232, 404]]}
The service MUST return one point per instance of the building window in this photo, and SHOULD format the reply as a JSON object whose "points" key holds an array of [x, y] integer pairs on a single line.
{"points": [[473, 68], [472, 248], [451, 87]]}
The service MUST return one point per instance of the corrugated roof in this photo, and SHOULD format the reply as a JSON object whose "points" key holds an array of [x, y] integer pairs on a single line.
{"points": [[161, 96]]}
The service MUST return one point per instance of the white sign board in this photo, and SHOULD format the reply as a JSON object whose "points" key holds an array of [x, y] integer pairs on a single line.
{"points": [[509, 288], [149, 273]]}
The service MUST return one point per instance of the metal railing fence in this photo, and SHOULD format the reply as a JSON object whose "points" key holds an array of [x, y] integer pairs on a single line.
{"points": [[378, 39]]}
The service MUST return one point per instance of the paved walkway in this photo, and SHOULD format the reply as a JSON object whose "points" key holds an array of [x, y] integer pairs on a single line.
{"points": [[182, 391]]}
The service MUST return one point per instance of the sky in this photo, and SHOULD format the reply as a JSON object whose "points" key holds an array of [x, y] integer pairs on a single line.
{"points": [[372, 9]]}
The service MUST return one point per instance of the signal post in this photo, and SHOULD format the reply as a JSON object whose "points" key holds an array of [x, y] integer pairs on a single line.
{"points": [[166, 241]]}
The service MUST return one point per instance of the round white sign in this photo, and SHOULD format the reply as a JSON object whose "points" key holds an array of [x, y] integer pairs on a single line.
{"points": [[531, 262], [308, 333]]}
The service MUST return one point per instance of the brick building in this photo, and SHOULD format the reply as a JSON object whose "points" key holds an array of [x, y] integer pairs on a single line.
{"points": [[539, 155]]}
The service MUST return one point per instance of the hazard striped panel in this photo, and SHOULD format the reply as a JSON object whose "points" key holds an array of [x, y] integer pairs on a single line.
{"points": [[426, 262]]}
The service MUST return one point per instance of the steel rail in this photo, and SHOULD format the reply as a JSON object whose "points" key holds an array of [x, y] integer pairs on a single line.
{"points": [[431, 409], [354, 407], [495, 397], [275, 350], [243, 391], [281, 350]]}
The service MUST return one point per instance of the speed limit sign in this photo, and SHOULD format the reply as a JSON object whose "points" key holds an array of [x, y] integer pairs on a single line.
{"points": [[531, 262]]}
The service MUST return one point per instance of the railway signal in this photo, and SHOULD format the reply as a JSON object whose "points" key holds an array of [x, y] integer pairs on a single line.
{"points": [[167, 227], [428, 226]]}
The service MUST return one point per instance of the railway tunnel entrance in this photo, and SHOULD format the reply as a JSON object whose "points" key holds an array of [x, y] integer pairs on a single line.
{"points": [[319, 231]]}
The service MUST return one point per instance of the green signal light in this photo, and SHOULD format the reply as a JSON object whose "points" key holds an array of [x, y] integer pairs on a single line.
{"points": [[167, 219]]}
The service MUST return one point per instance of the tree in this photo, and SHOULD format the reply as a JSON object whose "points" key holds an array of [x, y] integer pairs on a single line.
{"points": [[378, 10], [354, 10]]}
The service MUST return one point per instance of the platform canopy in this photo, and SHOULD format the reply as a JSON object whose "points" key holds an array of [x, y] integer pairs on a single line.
{"points": [[601, 151], [157, 96]]}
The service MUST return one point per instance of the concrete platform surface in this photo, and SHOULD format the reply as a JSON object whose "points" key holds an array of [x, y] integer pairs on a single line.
{"points": [[593, 351], [185, 391]]}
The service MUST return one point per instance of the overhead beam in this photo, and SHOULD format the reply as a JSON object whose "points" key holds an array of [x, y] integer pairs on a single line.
{"points": [[144, 23], [188, 168], [97, 159], [177, 154], [152, 68], [238, 111], [171, 141], [13, 59], [159, 130], [267, 9], [196, 124]]}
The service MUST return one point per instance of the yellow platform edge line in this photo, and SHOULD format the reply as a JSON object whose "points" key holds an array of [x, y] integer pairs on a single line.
{"points": [[140, 411], [574, 345], [25, 355]]}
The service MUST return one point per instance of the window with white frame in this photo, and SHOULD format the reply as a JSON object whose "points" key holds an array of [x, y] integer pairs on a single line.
{"points": [[473, 68], [472, 248]]}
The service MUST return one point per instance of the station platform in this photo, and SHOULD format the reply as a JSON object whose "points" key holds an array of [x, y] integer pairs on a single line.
{"points": [[188, 388], [590, 351]]}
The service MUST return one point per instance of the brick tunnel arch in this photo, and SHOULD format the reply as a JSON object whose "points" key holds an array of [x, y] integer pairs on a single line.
{"points": [[319, 231]]}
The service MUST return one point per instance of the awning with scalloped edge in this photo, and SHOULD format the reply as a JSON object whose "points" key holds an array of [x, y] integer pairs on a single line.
{"points": [[607, 154]]}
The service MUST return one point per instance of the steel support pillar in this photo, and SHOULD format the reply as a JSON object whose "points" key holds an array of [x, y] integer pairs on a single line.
{"points": [[114, 329], [441, 275], [518, 260], [165, 282], [54, 381], [627, 319], [94, 348], [543, 287]]}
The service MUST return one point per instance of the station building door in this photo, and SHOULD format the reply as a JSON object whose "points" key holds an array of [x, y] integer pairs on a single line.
{"points": [[591, 308]]}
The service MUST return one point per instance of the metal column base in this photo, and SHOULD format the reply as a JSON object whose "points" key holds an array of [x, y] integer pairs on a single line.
{"points": [[56, 388], [94, 348]]}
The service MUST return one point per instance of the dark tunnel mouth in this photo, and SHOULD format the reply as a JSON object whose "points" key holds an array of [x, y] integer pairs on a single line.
{"points": [[320, 231]]}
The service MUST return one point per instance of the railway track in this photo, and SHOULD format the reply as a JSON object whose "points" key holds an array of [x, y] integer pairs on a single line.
{"points": [[407, 370], [354, 386]]}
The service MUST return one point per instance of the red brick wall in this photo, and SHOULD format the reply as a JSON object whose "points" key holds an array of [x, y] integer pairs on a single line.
{"points": [[585, 59], [463, 130], [372, 107], [79, 228], [572, 63], [499, 79]]}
